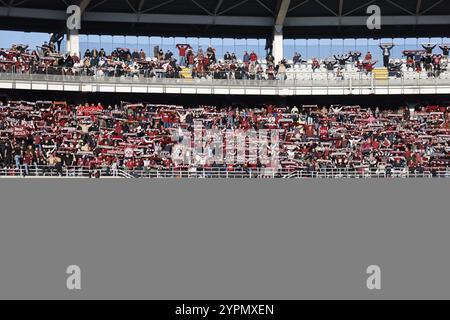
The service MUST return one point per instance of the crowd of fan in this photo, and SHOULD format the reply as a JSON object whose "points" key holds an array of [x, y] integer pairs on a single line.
{"points": [[204, 63], [134, 137]]}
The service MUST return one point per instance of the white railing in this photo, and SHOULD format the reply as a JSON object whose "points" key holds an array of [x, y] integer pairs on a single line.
{"points": [[58, 171], [219, 173], [298, 78], [358, 85]]}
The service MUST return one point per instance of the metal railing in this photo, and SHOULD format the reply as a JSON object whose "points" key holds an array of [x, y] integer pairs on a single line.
{"points": [[298, 78], [60, 171], [220, 173]]}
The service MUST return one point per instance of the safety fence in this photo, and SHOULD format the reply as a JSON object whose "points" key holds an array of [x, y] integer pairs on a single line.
{"points": [[290, 77], [35, 171]]}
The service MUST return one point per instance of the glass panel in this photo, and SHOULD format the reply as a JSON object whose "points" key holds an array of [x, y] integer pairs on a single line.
{"points": [[252, 45], [144, 44], [289, 48], [217, 45], [349, 45], [131, 43], [411, 44], [437, 42], [119, 42], [325, 48], [228, 46], [84, 45], [308, 48], [193, 42], [168, 44], [204, 43], [313, 48], [337, 46], [422, 41], [362, 45], [106, 43], [262, 48], [33, 39], [155, 42], [240, 47], [301, 47], [374, 49], [397, 51]]}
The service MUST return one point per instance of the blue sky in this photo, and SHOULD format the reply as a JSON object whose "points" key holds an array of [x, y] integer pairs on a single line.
{"points": [[33, 39]]}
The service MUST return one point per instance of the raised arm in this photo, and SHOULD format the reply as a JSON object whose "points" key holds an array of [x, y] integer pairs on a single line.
{"points": [[428, 46]]}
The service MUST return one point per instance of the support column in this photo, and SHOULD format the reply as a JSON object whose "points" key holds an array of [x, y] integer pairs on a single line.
{"points": [[278, 44], [73, 42]]}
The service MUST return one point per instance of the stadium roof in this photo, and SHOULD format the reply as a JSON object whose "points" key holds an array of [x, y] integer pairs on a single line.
{"points": [[232, 18]]}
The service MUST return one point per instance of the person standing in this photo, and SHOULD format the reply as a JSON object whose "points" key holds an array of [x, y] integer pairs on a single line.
{"points": [[17, 156], [428, 47], [386, 53], [445, 50]]}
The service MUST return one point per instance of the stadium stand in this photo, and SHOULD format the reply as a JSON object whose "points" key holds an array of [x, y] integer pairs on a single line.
{"points": [[53, 138], [128, 139], [199, 64]]}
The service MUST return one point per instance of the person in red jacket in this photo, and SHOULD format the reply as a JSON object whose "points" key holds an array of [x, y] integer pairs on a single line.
{"points": [[369, 65], [182, 48]]}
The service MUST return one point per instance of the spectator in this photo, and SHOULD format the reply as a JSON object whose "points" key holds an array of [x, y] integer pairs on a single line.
{"points": [[315, 64], [122, 63], [342, 59], [386, 53], [246, 58], [428, 47], [57, 38], [297, 58], [445, 50], [227, 57], [253, 57]]}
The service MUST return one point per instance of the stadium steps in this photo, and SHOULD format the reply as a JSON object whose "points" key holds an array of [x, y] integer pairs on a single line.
{"points": [[186, 73], [381, 74]]}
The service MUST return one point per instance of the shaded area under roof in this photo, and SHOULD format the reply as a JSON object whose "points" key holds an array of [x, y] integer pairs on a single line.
{"points": [[232, 18]]}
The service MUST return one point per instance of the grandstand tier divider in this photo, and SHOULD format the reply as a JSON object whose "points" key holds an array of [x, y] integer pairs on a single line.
{"points": [[319, 87]]}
